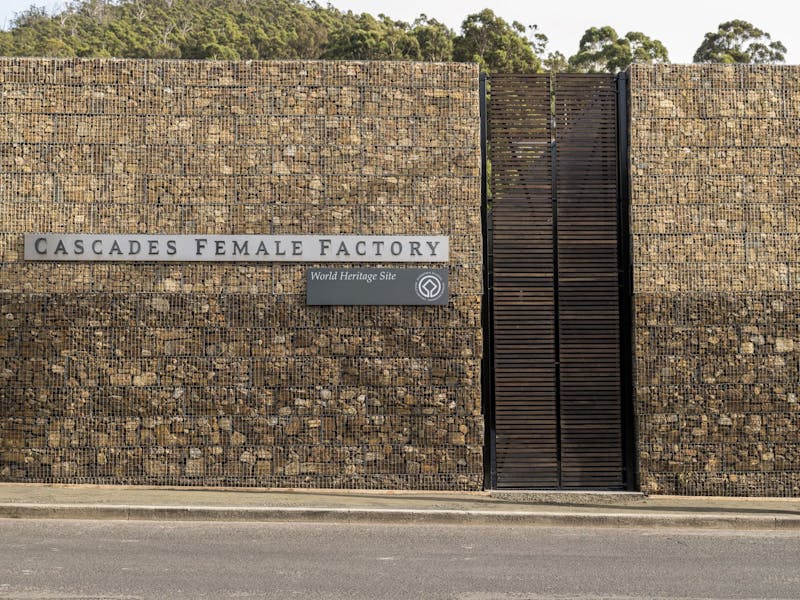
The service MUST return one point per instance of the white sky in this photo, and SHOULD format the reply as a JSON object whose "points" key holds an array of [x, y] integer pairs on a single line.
{"points": [[679, 24]]}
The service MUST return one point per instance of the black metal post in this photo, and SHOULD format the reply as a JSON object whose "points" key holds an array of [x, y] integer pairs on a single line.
{"points": [[487, 364], [630, 473]]}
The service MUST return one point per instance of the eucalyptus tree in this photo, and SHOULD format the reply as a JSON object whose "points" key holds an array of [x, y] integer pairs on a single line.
{"points": [[496, 45], [738, 41], [602, 50]]}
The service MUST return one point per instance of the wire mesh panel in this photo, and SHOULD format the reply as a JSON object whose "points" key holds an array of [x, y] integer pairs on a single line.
{"points": [[558, 396], [221, 374], [715, 204]]}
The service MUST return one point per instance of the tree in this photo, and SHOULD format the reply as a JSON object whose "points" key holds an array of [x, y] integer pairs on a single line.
{"points": [[645, 49], [537, 40], [738, 41], [556, 62], [363, 37], [269, 29], [495, 44], [435, 39], [34, 33], [601, 50]]}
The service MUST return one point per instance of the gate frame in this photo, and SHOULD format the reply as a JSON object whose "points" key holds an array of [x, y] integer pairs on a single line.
{"points": [[487, 303], [630, 470]]}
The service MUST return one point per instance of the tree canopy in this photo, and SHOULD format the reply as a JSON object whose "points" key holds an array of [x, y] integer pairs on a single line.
{"points": [[368, 38], [495, 44], [304, 29], [265, 29], [601, 50], [225, 29], [739, 42]]}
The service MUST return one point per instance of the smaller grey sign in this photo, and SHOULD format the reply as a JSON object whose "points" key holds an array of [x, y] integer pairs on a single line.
{"points": [[377, 287]]}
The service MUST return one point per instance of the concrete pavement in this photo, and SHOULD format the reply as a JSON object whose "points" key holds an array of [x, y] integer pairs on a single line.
{"points": [[589, 509]]}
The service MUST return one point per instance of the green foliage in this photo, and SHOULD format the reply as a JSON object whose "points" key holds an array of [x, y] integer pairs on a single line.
{"points": [[556, 62], [304, 29], [646, 50], [496, 45], [225, 29], [739, 42], [367, 38], [435, 39], [34, 28], [601, 50]]}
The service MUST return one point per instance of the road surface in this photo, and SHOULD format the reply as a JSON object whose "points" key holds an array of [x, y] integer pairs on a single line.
{"points": [[175, 560]]}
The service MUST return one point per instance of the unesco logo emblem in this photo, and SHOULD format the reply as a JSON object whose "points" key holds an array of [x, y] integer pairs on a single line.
{"points": [[429, 287]]}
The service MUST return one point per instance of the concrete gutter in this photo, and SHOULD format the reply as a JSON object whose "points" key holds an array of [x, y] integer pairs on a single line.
{"points": [[540, 517], [495, 507]]}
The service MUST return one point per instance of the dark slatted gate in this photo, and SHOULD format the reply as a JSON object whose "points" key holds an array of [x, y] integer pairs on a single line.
{"points": [[558, 393]]}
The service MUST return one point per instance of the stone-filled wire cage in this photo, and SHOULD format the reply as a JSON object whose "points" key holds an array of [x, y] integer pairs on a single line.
{"points": [[219, 374], [715, 216]]}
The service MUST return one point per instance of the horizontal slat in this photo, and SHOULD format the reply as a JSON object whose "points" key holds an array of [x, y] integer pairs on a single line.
{"points": [[549, 265]]}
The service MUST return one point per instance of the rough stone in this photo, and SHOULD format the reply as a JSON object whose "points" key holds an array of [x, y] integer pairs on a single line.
{"points": [[714, 218], [219, 374]]}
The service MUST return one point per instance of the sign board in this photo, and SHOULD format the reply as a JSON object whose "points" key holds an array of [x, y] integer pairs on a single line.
{"points": [[377, 287], [236, 248]]}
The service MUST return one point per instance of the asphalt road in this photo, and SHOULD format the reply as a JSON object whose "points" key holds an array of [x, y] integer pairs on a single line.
{"points": [[141, 559]]}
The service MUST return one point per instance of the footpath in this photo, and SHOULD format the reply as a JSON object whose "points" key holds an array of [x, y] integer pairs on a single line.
{"points": [[569, 509]]}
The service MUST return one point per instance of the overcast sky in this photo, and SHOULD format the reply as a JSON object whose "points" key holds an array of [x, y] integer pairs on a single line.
{"points": [[679, 24]]}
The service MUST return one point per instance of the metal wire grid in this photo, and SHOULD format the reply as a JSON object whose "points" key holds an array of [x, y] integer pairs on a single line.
{"points": [[714, 220], [220, 375]]}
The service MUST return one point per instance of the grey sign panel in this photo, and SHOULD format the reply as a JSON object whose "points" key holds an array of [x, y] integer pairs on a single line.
{"points": [[377, 287], [236, 248]]}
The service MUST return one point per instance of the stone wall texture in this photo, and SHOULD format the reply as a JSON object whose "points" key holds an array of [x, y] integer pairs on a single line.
{"points": [[715, 210], [219, 374]]}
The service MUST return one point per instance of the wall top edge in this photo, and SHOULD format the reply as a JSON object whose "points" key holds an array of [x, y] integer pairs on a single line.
{"points": [[208, 61], [711, 67], [646, 78], [177, 72]]}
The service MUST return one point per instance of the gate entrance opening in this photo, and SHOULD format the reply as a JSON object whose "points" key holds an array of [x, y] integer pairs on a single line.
{"points": [[559, 283]]}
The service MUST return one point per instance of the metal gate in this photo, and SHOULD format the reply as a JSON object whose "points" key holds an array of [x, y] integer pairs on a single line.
{"points": [[558, 283]]}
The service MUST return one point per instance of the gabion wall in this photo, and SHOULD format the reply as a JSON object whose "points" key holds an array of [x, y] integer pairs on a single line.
{"points": [[219, 374], [715, 161]]}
